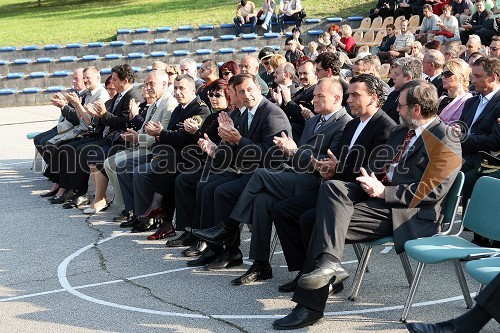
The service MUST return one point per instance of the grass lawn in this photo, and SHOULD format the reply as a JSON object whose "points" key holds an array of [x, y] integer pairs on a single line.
{"points": [[65, 21]]}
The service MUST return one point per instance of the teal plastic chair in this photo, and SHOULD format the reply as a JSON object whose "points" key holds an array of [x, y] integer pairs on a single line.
{"points": [[452, 201], [481, 217], [484, 270]]}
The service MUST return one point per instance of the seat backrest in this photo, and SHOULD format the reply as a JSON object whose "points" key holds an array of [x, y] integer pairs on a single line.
{"points": [[363, 48], [377, 23], [358, 36], [380, 35], [368, 37], [483, 212], [365, 24], [388, 20], [414, 21], [398, 20], [384, 71], [451, 202]]}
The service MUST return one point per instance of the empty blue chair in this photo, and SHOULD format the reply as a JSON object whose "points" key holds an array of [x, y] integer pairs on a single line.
{"points": [[55, 89], [206, 38], [142, 30], [136, 69], [276, 47], [480, 217], [249, 36], [179, 53], [135, 55], [270, 35], [62, 73], [68, 59], [183, 39], [355, 18], [289, 34], [198, 65], [112, 56], [124, 31], [105, 71], [484, 270], [312, 20], [334, 19], [37, 75], [8, 91], [227, 37], [30, 47], [45, 60], [249, 49], [74, 45], [31, 135], [161, 41], [157, 54], [149, 68], [4, 62], [164, 29], [117, 43], [185, 28], [8, 49], [95, 44], [226, 50], [17, 75], [204, 51], [206, 26], [139, 42], [52, 47], [227, 25], [32, 90], [314, 32], [91, 57], [23, 61]]}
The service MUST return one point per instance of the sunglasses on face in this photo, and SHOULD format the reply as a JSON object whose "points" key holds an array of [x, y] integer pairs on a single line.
{"points": [[226, 73], [216, 95], [267, 62], [447, 74], [171, 73]]}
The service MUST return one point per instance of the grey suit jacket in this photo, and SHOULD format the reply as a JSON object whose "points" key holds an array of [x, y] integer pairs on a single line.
{"points": [[162, 114]]}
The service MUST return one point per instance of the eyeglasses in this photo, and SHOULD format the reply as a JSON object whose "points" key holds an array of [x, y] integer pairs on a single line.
{"points": [[267, 62], [492, 48], [447, 74], [171, 73], [401, 105], [319, 69], [225, 73], [217, 95]]}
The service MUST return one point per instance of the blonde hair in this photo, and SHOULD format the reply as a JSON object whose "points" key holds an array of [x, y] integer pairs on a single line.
{"points": [[461, 69], [276, 59], [346, 30]]}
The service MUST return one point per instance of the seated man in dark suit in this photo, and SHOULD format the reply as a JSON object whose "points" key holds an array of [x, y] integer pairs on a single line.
{"points": [[432, 65], [474, 320], [477, 21], [322, 132], [405, 203], [294, 217]]}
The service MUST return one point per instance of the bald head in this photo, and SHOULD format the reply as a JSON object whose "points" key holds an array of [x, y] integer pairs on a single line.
{"points": [[78, 83], [249, 65]]}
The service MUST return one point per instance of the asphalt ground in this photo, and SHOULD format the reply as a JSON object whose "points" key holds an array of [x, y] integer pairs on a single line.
{"points": [[62, 271]]}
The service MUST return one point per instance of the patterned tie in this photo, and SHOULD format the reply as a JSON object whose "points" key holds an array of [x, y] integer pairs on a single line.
{"points": [[107, 129], [250, 118], [320, 123], [399, 155]]}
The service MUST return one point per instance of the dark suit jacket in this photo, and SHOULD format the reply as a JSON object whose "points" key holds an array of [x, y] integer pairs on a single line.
{"points": [[420, 182], [438, 83], [116, 117], [293, 111], [484, 134], [391, 106], [371, 138], [478, 20]]}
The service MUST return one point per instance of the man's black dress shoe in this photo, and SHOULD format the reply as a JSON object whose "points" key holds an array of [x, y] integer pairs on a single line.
{"points": [[289, 287], [186, 239], [298, 318], [124, 216], [217, 235], [77, 201], [444, 327], [131, 222], [145, 225], [326, 272], [256, 272], [50, 193], [226, 260], [206, 257], [195, 250]]}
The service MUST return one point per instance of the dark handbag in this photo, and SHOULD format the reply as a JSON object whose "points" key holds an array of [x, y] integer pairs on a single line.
{"points": [[302, 13], [489, 164]]}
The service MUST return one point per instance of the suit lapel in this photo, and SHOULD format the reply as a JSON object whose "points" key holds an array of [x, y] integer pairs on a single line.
{"points": [[420, 140], [491, 104], [256, 118], [471, 111]]}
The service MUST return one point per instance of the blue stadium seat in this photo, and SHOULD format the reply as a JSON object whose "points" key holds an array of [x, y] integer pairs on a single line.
{"points": [[136, 69], [32, 90], [117, 43], [8, 91], [157, 54], [95, 44], [249, 36], [91, 57], [161, 41], [314, 32], [68, 59], [38, 75], [54, 89], [124, 31], [135, 55], [275, 47], [226, 50], [220, 63], [270, 35], [142, 30], [164, 29], [8, 49], [334, 19], [31, 135], [30, 47], [227, 37], [22, 61], [74, 45], [149, 68], [17, 75], [139, 42], [44, 60], [113, 56], [355, 18], [105, 71], [206, 38], [183, 39], [185, 28], [52, 47], [204, 51], [178, 53], [227, 25], [3, 62], [312, 20], [289, 34], [249, 49], [198, 65], [61, 73], [206, 26]]}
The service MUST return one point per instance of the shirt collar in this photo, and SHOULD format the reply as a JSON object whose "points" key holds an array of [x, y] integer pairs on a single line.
{"points": [[490, 95]]}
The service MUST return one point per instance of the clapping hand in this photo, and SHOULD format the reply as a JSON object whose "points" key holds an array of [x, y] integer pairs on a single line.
{"points": [[133, 109], [130, 136], [326, 166], [285, 144], [207, 145], [305, 112], [371, 185], [153, 129]]}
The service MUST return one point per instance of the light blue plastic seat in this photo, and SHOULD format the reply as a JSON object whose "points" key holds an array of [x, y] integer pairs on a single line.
{"points": [[226, 50], [136, 69], [62, 73], [45, 60], [164, 29], [206, 38], [227, 25], [275, 47], [95, 44], [117, 43], [160, 41], [55, 89], [68, 59], [113, 56], [22, 61], [4, 62], [91, 57], [355, 18], [17, 75], [484, 270], [8, 48], [37, 75], [74, 45], [179, 53], [8, 91], [105, 71], [183, 40], [249, 49], [312, 20], [314, 32], [157, 54], [206, 26], [135, 55], [334, 19], [204, 51], [52, 47], [31, 135], [32, 90], [30, 47], [227, 37], [142, 30], [249, 36], [185, 28], [124, 31], [270, 35], [139, 42]]}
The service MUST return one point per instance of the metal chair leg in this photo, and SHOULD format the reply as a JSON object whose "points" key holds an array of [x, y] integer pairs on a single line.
{"points": [[358, 251], [412, 292], [274, 242], [463, 283], [407, 267], [360, 272]]}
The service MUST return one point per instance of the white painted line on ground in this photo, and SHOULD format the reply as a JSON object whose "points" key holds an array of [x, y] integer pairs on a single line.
{"points": [[386, 249]]}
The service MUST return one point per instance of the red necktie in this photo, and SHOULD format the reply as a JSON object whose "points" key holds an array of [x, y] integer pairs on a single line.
{"points": [[399, 155]]}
